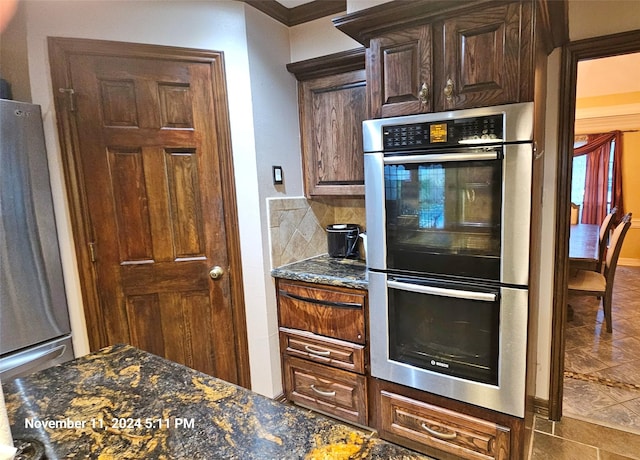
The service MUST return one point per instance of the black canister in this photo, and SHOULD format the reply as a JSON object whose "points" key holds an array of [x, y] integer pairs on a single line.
{"points": [[342, 240]]}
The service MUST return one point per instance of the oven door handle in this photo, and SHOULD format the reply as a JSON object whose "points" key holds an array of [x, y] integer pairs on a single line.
{"points": [[441, 157], [443, 292]]}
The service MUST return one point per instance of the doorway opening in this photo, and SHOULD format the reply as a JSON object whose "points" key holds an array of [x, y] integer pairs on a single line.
{"points": [[583, 50]]}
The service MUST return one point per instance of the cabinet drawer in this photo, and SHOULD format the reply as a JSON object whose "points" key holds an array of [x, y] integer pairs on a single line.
{"points": [[443, 429], [336, 353], [336, 392], [335, 313]]}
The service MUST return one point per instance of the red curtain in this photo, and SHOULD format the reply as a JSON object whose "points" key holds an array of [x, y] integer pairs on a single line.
{"points": [[598, 149]]}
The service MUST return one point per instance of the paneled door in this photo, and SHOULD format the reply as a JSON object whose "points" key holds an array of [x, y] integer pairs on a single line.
{"points": [[148, 164]]}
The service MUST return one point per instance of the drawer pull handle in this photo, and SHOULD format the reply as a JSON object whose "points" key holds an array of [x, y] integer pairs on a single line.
{"points": [[326, 303], [437, 434], [317, 352], [329, 394]]}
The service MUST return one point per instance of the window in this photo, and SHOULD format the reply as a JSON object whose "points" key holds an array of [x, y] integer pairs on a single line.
{"points": [[578, 178]]}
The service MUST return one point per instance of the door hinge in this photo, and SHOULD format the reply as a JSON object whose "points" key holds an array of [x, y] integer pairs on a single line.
{"points": [[92, 251], [72, 97]]}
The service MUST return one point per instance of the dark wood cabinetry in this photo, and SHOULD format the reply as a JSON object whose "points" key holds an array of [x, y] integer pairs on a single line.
{"points": [[487, 58], [441, 56], [323, 346], [332, 102], [399, 72], [441, 427]]}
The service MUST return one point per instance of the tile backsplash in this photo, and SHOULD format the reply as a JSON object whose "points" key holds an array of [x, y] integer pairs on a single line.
{"points": [[297, 225]]}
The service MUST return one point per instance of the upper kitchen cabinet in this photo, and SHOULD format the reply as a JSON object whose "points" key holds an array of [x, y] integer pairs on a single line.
{"points": [[433, 55], [332, 100], [399, 72], [484, 58]]}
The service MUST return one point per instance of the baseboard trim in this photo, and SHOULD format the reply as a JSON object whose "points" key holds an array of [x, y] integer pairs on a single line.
{"points": [[626, 261], [541, 407]]}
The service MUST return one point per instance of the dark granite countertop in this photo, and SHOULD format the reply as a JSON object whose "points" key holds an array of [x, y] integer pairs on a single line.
{"points": [[323, 269], [124, 403]]}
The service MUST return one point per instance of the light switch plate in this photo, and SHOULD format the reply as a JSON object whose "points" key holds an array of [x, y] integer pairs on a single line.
{"points": [[277, 175]]}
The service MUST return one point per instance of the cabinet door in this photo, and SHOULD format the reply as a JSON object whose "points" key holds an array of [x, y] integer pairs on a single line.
{"points": [[399, 72], [331, 113], [482, 54]]}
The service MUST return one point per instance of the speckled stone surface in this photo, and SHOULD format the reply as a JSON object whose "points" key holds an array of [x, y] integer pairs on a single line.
{"points": [[323, 269], [124, 403]]}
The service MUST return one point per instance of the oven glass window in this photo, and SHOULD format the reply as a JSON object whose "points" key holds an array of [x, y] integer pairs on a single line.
{"points": [[448, 211], [452, 336]]}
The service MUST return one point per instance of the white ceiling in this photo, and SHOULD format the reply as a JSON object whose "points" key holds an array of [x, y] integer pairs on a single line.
{"points": [[292, 3], [601, 77], [611, 75]]}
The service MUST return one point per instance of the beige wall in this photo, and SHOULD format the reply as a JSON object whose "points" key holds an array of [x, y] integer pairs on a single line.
{"points": [[594, 18], [318, 38], [630, 254], [13, 56]]}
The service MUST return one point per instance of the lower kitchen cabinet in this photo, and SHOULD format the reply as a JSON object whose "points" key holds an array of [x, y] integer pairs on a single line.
{"points": [[325, 367], [323, 346], [443, 428]]}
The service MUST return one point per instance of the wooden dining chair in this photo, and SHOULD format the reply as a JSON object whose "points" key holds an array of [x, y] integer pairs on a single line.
{"points": [[605, 233], [587, 282], [575, 213]]}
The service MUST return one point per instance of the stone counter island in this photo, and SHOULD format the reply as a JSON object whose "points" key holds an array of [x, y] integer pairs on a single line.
{"points": [[124, 403]]}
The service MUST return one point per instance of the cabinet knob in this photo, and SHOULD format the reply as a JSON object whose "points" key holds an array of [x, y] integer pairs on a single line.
{"points": [[216, 272], [423, 94], [448, 90]]}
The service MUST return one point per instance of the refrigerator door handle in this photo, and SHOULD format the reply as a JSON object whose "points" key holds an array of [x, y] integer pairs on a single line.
{"points": [[24, 365]]}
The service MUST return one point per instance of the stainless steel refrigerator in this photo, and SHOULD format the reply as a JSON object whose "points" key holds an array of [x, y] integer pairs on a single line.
{"points": [[34, 319]]}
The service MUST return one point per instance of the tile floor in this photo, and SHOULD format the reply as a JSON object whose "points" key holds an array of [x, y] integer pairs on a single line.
{"points": [[573, 439], [608, 364], [601, 408]]}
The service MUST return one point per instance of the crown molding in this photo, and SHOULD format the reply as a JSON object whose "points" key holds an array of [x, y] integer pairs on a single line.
{"points": [[332, 64], [300, 14], [608, 111], [623, 117], [364, 24]]}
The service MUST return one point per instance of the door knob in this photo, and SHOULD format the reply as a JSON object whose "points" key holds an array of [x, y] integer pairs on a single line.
{"points": [[216, 272]]}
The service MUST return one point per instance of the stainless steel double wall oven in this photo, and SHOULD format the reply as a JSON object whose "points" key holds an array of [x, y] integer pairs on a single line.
{"points": [[448, 201]]}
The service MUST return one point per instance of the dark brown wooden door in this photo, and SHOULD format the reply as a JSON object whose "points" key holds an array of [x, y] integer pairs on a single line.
{"points": [[148, 161]]}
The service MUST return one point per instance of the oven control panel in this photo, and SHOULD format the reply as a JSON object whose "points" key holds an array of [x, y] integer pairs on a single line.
{"points": [[466, 131]]}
